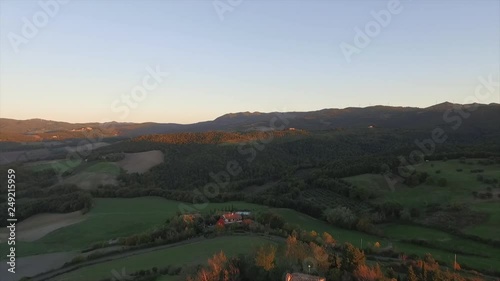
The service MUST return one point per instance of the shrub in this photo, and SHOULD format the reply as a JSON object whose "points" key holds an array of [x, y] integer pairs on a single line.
{"points": [[342, 216], [442, 182]]}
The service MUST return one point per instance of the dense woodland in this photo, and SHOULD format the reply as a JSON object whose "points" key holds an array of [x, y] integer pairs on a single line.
{"points": [[292, 161]]}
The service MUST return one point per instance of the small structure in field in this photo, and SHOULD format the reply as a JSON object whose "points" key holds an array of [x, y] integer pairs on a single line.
{"points": [[303, 277]]}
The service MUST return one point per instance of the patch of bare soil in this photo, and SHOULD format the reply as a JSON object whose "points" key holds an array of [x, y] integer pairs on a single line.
{"points": [[37, 226], [141, 162], [88, 180], [33, 265]]}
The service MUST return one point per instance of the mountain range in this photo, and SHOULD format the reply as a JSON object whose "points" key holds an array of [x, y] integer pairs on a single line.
{"points": [[477, 118]]}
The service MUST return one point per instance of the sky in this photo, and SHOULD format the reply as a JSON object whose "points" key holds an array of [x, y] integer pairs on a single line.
{"points": [[189, 61]]}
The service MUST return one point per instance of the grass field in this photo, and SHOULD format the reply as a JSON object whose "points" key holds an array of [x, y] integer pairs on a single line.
{"points": [[104, 167], [460, 185], [459, 188], [396, 233], [181, 255], [490, 228], [112, 218], [451, 243], [168, 278]]}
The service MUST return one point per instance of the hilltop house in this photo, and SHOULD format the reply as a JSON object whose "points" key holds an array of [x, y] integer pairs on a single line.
{"points": [[303, 277]]}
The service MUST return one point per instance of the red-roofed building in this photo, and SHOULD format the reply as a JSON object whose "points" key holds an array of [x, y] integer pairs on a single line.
{"points": [[231, 218]]}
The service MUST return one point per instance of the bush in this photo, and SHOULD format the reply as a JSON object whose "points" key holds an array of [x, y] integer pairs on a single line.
{"points": [[342, 216], [442, 182], [429, 181]]}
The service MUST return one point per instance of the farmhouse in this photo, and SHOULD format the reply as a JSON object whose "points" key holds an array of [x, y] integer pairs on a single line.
{"points": [[231, 218], [303, 277]]}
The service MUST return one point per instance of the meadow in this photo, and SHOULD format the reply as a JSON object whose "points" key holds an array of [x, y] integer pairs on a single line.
{"points": [[194, 253], [398, 232], [111, 218], [461, 183]]}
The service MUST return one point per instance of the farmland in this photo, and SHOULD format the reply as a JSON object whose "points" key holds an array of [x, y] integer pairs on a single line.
{"points": [[112, 218], [180, 255]]}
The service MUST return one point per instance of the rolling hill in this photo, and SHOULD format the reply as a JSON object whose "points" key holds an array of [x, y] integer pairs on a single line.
{"points": [[445, 115]]}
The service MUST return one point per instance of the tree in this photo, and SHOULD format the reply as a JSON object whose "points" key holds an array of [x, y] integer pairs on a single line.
{"points": [[341, 216], [219, 269], [295, 249], [321, 257], [328, 239], [411, 275], [352, 257], [365, 273], [265, 257]]}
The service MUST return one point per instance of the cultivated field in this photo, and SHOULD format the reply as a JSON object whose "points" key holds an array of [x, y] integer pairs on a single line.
{"points": [[91, 175], [38, 226], [141, 162]]}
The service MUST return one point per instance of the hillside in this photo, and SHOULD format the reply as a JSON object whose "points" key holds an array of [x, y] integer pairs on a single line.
{"points": [[445, 115]]}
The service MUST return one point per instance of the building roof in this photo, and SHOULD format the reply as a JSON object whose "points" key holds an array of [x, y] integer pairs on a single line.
{"points": [[232, 216], [303, 277]]}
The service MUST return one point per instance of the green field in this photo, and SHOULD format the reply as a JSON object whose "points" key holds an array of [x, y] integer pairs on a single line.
{"points": [[396, 233], [491, 228], [59, 165], [181, 255], [104, 167], [459, 188], [168, 278], [340, 234], [111, 218]]}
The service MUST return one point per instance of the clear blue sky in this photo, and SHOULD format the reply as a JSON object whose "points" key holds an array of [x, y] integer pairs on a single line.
{"points": [[280, 55]]}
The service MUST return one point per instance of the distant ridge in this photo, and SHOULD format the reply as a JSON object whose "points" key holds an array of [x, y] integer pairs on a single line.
{"points": [[378, 116]]}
